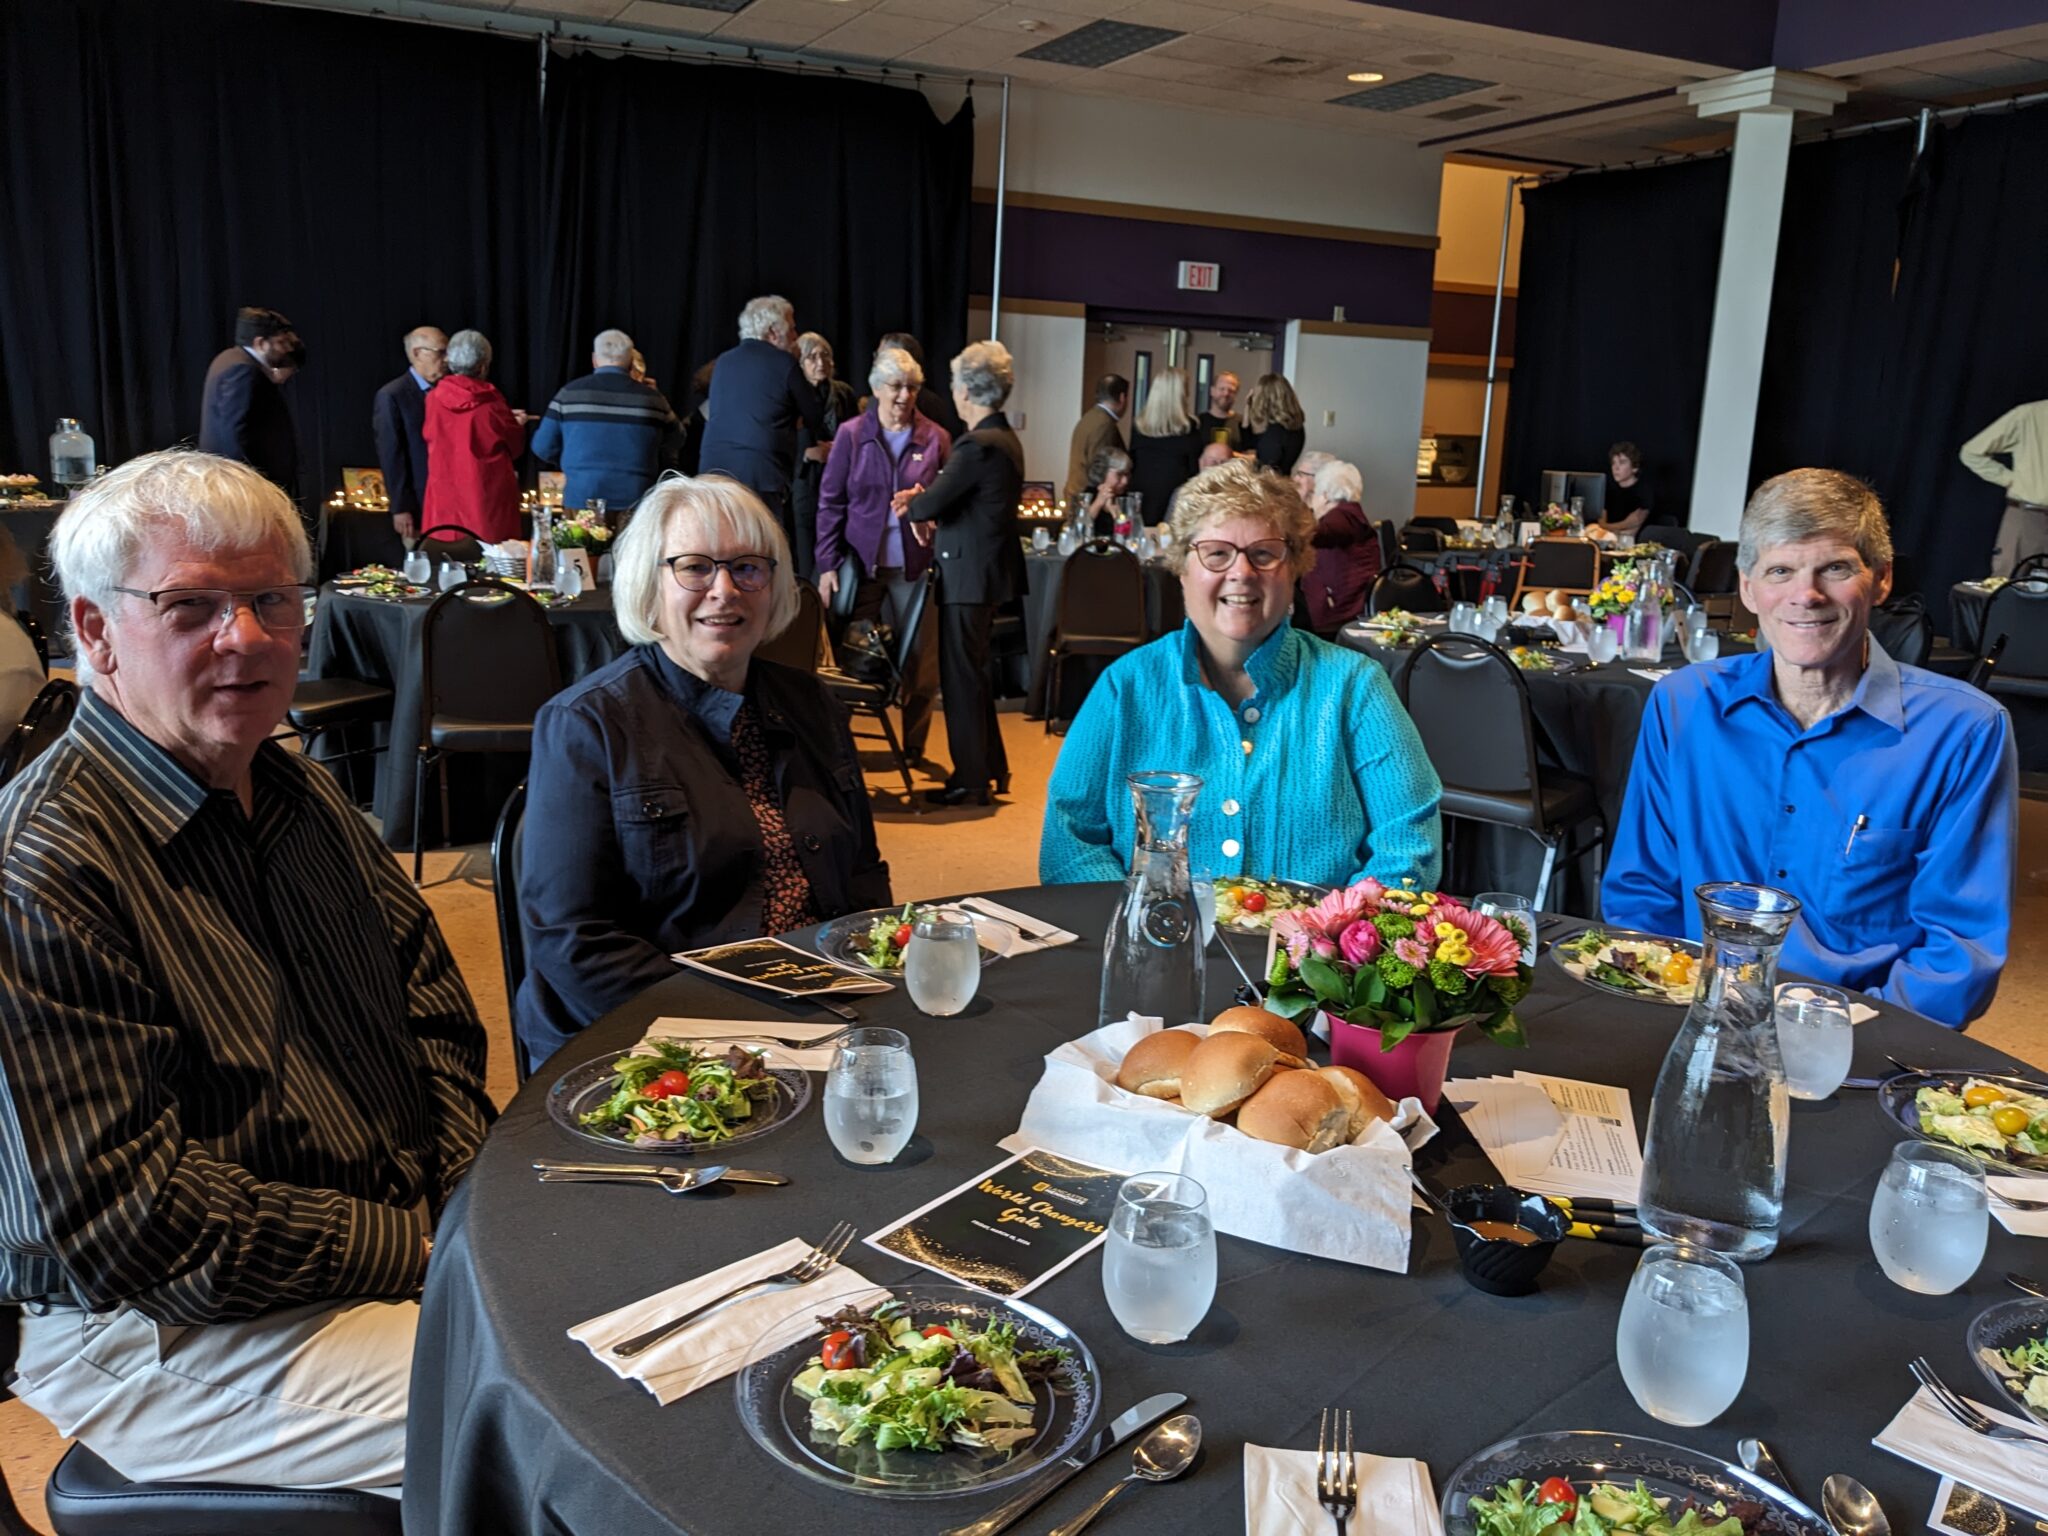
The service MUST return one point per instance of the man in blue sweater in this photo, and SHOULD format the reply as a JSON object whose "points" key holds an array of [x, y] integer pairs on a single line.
{"points": [[610, 433]]}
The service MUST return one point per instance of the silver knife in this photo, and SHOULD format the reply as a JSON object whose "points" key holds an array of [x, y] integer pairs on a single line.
{"points": [[670, 1178], [1056, 1476]]}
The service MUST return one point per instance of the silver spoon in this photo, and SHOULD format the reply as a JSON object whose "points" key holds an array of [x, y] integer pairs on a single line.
{"points": [[1756, 1457], [1850, 1508], [1160, 1457], [2022, 1283]]}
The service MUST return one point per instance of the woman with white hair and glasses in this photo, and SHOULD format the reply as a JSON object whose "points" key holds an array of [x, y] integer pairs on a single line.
{"points": [[1347, 547], [474, 440], [688, 793], [973, 506]]}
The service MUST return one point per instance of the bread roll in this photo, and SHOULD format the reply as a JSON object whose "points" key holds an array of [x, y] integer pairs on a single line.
{"points": [[1225, 1070], [1533, 602], [1153, 1066], [1296, 1109], [1277, 1032], [1361, 1098]]}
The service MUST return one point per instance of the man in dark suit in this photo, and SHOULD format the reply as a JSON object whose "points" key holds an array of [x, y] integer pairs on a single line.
{"points": [[970, 513], [398, 416], [1096, 431], [758, 395], [242, 411]]}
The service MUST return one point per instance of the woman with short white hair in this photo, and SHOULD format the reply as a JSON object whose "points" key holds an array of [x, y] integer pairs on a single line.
{"points": [[474, 440], [1346, 544], [689, 793], [1166, 444], [839, 405]]}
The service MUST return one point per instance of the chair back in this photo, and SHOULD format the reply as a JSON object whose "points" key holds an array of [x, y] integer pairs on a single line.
{"points": [[1903, 628], [1470, 704], [1566, 565], [1416, 539], [36, 637], [797, 646], [1390, 542], [452, 541], [1466, 578], [1713, 568], [505, 893], [487, 652], [2033, 566], [1671, 536], [1102, 593], [2018, 615], [48, 716], [1405, 586]]}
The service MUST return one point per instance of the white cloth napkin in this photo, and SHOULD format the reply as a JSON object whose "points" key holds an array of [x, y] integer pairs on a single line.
{"points": [[2019, 1223], [1859, 1013], [2012, 1470], [1032, 932], [1395, 1496], [733, 1032], [718, 1344]]}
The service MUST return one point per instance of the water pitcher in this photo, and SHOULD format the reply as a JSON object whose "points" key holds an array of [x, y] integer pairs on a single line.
{"points": [[1152, 955], [540, 559], [1642, 630], [72, 459], [1714, 1156]]}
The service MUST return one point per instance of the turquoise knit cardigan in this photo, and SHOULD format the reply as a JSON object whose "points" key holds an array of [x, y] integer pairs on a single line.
{"points": [[1319, 775]]}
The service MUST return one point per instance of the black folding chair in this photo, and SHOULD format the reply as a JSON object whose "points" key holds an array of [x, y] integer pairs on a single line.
{"points": [[47, 717], [1390, 543], [487, 664], [797, 646], [2034, 567], [1470, 703], [1903, 628], [451, 541], [505, 895], [1557, 565], [872, 697], [1101, 612], [1407, 587], [1713, 568], [36, 637], [1420, 539], [86, 1497]]}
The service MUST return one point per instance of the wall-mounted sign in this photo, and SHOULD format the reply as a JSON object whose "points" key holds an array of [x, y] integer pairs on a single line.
{"points": [[1201, 276]]}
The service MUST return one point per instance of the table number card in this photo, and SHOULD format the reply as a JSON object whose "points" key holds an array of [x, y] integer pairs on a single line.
{"points": [[778, 967], [1012, 1228]]}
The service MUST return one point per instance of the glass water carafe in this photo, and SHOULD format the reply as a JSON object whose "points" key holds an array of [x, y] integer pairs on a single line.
{"points": [[540, 560], [1642, 629], [73, 460], [1152, 956], [1714, 1155]]}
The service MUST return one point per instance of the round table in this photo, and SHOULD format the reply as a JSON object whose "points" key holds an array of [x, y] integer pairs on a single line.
{"points": [[1163, 612], [514, 1428]]}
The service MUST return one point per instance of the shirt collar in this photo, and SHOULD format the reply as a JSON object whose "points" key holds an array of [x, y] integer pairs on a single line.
{"points": [[1271, 667], [716, 707], [1877, 692], [164, 794], [425, 384]]}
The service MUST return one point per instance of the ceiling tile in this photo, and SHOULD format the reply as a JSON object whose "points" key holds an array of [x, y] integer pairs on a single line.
{"points": [[958, 12], [1201, 50], [580, 10], [967, 48], [684, 20], [878, 35]]}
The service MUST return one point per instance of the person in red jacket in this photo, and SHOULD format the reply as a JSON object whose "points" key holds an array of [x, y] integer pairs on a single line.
{"points": [[474, 440], [1347, 550]]}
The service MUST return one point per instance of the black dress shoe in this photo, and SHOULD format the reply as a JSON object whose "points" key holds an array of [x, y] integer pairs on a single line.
{"points": [[1003, 784], [958, 794]]}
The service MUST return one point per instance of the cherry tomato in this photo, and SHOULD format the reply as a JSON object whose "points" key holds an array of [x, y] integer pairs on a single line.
{"points": [[1253, 901], [1561, 1493], [837, 1353], [1981, 1095], [670, 1085], [938, 1329], [902, 935], [2010, 1119]]}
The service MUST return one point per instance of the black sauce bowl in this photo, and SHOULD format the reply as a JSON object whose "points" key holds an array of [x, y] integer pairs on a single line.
{"points": [[1498, 1267]]}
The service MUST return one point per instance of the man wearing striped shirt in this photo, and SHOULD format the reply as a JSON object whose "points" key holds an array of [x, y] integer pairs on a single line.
{"points": [[239, 1072], [611, 432]]}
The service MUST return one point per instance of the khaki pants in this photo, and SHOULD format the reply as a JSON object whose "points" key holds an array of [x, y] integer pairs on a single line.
{"points": [[309, 1397], [2023, 531]]}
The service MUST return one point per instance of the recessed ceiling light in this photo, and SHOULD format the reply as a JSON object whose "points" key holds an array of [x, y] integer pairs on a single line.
{"points": [[1365, 77]]}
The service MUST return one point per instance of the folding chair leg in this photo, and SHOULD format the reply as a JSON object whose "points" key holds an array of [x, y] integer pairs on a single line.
{"points": [[419, 793], [447, 819], [896, 751], [1052, 690]]}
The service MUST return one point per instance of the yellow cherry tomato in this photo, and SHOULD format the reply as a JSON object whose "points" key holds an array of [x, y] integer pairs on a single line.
{"points": [[1981, 1095], [2010, 1120], [1679, 969]]}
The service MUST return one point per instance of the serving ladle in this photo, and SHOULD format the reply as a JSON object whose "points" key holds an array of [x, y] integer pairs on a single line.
{"points": [[1851, 1509], [1160, 1457]]}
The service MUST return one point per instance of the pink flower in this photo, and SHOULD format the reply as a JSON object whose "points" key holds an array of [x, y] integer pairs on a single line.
{"points": [[1371, 892], [1322, 946], [1494, 950], [1360, 943], [1412, 951], [1317, 927]]}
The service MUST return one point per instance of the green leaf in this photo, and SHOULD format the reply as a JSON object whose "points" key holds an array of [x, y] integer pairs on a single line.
{"points": [[1394, 1031], [1277, 973], [1367, 990], [1289, 1005], [1503, 1028], [1324, 979], [1425, 1004]]}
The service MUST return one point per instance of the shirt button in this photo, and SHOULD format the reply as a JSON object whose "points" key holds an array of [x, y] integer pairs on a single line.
{"points": [[1790, 809], [348, 1053], [651, 809], [1781, 874], [1230, 807], [1251, 714], [811, 842], [1231, 847], [1247, 749]]}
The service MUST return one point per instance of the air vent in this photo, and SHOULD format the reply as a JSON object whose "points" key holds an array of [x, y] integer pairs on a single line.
{"points": [[1287, 64], [1100, 43], [1418, 91], [1461, 114], [728, 6]]}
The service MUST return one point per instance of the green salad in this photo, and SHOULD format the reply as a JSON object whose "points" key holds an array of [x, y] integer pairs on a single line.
{"points": [[887, 936], [1645, 967], [1987, 1119], [1518, 1508], [879, 1376], [669, 1092], [2023, 1369]]}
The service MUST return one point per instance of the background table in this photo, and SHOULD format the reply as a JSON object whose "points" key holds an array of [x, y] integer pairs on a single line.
{"points": [[29, 523], [378, 641], [514, 1428], [356, 538], [1164, 611]]}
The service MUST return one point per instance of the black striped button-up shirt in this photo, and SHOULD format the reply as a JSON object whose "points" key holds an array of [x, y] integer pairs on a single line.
{"points": [[236, 1057]]}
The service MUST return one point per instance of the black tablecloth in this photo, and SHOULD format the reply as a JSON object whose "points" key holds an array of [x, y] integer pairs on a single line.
{"points": [[379, 642], [1968, 602], [29, 523], [1164, 610], [356, 538], [514, 1428]]}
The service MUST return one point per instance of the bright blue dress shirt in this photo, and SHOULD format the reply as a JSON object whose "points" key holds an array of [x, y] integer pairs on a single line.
{"points": [[1318, 776], [1894, 822]]}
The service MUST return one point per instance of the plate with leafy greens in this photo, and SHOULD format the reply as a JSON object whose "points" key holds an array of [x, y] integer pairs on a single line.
{"points": [[941, 1390], [1643, 966], [672, 1099], [2000, 1119], [873, 942]]}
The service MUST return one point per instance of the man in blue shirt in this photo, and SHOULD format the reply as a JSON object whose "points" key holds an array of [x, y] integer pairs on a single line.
{"points": [[611, 433], [1885, 798]]}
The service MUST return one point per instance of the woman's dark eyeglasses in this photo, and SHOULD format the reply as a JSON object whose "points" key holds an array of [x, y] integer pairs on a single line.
{"points": [[1221, 554], [698, 573]]}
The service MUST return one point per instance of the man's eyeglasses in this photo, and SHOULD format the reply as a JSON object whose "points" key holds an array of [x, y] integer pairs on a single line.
{"points": [[192, 610], [699, 573], [1221, 554]]}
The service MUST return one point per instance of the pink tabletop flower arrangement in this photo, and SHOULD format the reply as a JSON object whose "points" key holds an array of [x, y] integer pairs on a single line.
{"points": [[1400, 961]]}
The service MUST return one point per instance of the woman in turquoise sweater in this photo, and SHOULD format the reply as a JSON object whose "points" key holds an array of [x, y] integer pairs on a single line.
{"points": [[1310, 768]]}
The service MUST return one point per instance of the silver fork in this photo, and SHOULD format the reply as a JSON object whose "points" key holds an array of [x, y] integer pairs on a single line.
{"points": [[792, 1042], [1336, 1471], [2012, 1203], [803, 1272], [1966, 1413]]}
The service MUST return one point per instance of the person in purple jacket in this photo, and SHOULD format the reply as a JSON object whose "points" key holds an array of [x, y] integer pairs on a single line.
{"points": [[879, 460]]}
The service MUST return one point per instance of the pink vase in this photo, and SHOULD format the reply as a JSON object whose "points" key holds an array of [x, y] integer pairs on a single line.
{"points": [[1413, 1069], [1618, 622]]}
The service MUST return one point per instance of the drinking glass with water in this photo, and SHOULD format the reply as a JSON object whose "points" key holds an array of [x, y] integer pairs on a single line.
{"points": [[1683, 1341], [451, 576], [1928, 1220], [1159, 1260], [942, 963], [1517, 913], [1815, 1040], [419, 567], [1602, 645], [871, 1095], [1699, 644]]}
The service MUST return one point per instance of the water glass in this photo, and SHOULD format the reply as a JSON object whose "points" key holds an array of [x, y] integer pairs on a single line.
{"points": [[871, 1096], [942, 963], [419, 568], [1683, 1341], [1624, 541], [1159, 1260], [569, 578], [1695, 619], [1602, 645], [1495, 607], [1040, 540], [1928, 1219], [452, 576], [1517, 912], [1815, 1038], [1464, 619]]}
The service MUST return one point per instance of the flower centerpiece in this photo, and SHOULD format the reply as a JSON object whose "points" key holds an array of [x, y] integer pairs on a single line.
{"points": [[586, 530], [1616, 592], [1556, 520], [1397, 972]]}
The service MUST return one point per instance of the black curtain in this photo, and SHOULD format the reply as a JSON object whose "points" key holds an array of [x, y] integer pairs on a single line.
{"points": [[163, 164], [675, 194], [1612, 319]]}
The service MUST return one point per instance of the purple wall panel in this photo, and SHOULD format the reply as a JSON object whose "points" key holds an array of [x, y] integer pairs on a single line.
{"points": [[1734, 34], [1133, 264], [1816, 32]]}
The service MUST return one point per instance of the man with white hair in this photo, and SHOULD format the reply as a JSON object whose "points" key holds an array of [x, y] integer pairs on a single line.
{"points": [[610, 432], [240, 1074], [398, 417], [758, 396]]}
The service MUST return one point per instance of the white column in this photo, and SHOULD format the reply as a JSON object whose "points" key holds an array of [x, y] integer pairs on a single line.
{"points": [[1764, 103]]}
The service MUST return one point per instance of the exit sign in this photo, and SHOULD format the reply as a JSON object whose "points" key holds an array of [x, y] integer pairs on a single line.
{"points": [[1201, 276]]}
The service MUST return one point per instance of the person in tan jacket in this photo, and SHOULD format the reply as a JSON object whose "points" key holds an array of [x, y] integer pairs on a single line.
{"points": [[1097, 430]]}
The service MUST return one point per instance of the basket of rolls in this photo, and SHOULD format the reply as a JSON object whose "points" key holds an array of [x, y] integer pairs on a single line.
{"points": [[1569, 618], [1306, 1157]]}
